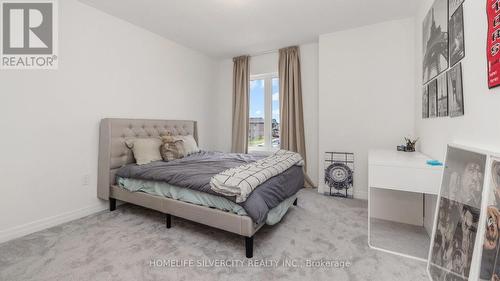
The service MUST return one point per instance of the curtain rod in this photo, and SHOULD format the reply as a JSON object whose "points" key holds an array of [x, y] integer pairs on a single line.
{"points": [[270, 51], [264, 53]]}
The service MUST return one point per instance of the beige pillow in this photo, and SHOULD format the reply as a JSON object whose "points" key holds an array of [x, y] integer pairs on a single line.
{"points": [[176, 147], [146, 150]]}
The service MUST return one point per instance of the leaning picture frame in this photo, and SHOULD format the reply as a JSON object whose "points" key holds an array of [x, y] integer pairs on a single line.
{"points": [[455, 246], [488, 267]]}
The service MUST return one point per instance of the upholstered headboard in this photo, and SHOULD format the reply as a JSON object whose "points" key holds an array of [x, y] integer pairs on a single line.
{"points": [[113, 153]]}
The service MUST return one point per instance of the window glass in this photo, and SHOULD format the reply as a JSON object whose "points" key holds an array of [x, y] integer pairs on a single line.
{"points": [[275, 110], [257, 113]]}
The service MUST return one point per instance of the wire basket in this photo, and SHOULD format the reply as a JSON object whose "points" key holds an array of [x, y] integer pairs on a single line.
{"points": [[339, 174]]}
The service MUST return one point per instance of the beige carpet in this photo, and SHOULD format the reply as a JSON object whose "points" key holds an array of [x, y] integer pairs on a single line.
{"points": [[123, 245]]}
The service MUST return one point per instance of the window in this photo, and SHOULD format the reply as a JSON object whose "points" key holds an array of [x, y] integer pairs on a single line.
{"points": [[264, 122]]}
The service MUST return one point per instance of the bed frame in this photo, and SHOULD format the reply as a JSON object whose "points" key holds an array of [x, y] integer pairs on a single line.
{"points": [[113, 154]]}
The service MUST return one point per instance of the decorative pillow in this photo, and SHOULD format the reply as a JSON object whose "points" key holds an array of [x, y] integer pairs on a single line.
{"points": [[146, 150], [176, 147], [172, 148]]}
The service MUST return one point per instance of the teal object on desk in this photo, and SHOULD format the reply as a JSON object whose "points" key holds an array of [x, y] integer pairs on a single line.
{"points": [[434, 163]]}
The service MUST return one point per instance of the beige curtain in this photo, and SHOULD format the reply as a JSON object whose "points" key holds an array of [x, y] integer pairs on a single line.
{"points": [[241, 84], [291, 112]]}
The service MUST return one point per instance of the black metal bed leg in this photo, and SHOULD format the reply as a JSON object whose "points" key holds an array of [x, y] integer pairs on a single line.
{"points": [[249, 247], [112, 204], [168, 220], [295, 202]]}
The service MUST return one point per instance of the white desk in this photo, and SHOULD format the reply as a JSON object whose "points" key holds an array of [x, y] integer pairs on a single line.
{"points": [[404, 172]]}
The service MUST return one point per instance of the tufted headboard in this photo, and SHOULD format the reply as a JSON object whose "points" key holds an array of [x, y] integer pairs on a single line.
{"points": [[113, 153]]}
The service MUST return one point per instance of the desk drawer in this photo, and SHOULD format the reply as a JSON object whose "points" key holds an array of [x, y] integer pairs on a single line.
{"points": [[405, 178]]}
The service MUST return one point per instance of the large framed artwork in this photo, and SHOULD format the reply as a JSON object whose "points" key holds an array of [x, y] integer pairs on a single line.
{"points": [[490, 257], [455, 91], [442, 95], [493, 43], [457, 215], [425, 103], [457, 42], [435, 40], [433, 108]]}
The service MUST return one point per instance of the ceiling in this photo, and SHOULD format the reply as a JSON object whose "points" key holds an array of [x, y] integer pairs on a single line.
{"points": [[227, 28]]}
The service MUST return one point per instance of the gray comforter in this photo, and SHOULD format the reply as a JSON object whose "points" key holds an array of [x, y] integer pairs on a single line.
{"points": [[196, 170]]}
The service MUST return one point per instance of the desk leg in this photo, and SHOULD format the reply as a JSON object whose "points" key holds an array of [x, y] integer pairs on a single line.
{"points": [[375, 247], [423, 210], [369, 215]]}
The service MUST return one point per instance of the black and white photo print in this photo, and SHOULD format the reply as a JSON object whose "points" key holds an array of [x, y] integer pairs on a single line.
{"points": [[458, 215], [435, 40], [433, 109], [453, 6], [425, 103], [457, 42], [442, 95], [455, 91]]}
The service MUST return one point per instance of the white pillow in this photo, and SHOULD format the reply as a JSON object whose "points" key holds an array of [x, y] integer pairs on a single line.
{"points": [[190, 145], [146, 150]]}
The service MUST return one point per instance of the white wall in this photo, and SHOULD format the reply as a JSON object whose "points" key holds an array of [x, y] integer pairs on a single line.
{"points": [[481, 123], [262, 64], [223, 97], [268, 63], [49, 119], [365, 93]]}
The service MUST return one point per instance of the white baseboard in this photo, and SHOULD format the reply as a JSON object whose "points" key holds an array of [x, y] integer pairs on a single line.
{"points": [[362, 195], [31, 227]]}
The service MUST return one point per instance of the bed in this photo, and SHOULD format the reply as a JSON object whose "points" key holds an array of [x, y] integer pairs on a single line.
{"points": [[120, 179]]}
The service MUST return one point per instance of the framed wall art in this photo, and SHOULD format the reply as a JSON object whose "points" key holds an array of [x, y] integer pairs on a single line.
{"points": [[455, 91], [442, 95], [493, 43], [425, 103], [433, 107], [453, 6], [435, 40], [457, 41]]}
